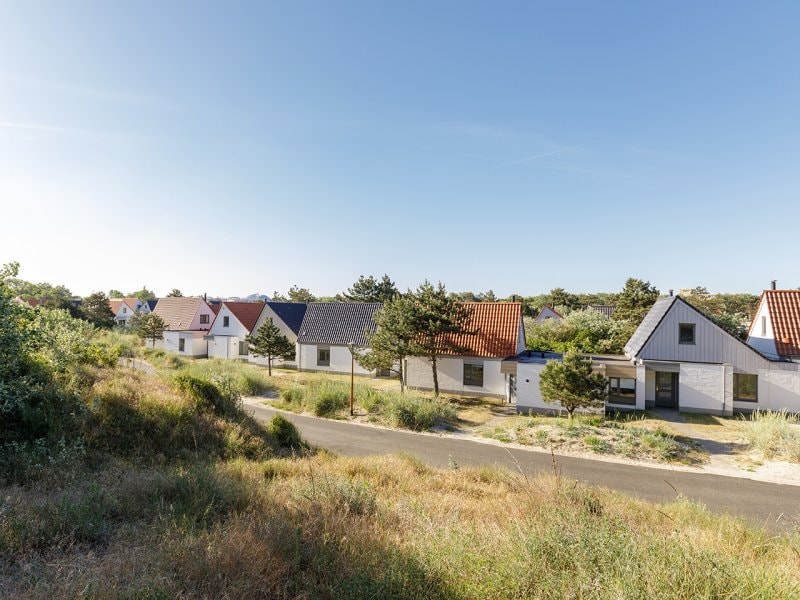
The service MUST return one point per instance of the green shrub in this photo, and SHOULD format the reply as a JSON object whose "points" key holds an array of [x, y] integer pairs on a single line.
{"points": [[284, 432], [369, 398], [418, 414], [293, 395], [202, 391], [330, 402]]}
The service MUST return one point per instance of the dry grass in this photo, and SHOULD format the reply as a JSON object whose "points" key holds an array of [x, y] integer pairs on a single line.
{"points": [[389, 527]]}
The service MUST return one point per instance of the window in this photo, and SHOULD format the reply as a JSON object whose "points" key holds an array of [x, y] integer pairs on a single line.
{"points": [[622, 391], [745, 387], [473, 374], [242, 348], [181, 345], [226, 321], [124, 310], [763, 326], [122, 322], [323, 357], [203, 319], [686, 333]]}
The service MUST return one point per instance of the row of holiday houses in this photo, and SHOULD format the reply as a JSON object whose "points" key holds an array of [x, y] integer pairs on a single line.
{"points": [[677, 358]]}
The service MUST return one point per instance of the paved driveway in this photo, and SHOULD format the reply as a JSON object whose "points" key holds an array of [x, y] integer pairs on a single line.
{"points": [[768, 504]]}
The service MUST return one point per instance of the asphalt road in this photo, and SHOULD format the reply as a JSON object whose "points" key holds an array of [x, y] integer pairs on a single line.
{"points": [[771, 505]]}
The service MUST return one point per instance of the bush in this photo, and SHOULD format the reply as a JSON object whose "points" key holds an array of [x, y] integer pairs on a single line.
{"points": [[202, 391], [329, 403], [284, 432], [293, 395], [417, 414], [774, 434]]}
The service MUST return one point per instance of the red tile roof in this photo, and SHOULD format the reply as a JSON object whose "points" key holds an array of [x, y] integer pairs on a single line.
{"points": [[246, 312], [784, 312], [496, 326]]}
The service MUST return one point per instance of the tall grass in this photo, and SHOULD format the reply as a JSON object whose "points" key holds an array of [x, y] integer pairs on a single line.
{"points": [[249, 380], [382, 527], [774, 434]]}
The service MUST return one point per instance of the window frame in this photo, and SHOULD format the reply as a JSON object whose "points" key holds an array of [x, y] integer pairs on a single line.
{"points": [[737, 385], [243, 345], [323, 362], [226, 321], [471, 380], [204, 319], [181, 344], [694, 334], [615, 397]]}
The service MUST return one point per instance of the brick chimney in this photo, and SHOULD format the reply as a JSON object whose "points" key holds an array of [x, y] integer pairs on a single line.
{"points": [[773, 285]]}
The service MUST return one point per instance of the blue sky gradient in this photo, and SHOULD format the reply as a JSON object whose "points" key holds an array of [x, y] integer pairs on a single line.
{"points": [[230, 148]]}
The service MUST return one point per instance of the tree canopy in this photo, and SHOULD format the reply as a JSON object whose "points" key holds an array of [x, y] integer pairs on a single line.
{"points": [[96, 310], [370, 289], [572, 383], [143, 294], [270, 343], [635, 300], [148, 326], [390, 343], [175, 293]]}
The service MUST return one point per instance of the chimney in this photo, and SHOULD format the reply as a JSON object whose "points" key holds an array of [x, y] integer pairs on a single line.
{"points": [[773, 285], [670, 293], [205, 299]]}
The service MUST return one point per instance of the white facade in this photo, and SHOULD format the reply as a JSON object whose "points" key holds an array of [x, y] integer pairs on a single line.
{"points": [[226, 338], [547, 313], [451, 375], [269, 315], [185, 343], [761, 335], [339, 359]]}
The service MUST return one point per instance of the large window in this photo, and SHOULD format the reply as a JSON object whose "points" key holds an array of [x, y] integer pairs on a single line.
{"points": [[622, 391], [323, 357], [473, 374], [203, 319], [686, 333], [242, 348], [745, 387]]}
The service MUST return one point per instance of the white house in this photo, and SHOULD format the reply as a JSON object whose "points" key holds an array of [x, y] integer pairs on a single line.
{"points": [[327, 331], [125, 308], [480, 370], [548, 312], [233, 323], [775, 329], [287, 317], [187, 321]]}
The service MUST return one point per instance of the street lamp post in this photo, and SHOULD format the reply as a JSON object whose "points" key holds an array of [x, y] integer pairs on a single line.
{"points": [[351, 347]]}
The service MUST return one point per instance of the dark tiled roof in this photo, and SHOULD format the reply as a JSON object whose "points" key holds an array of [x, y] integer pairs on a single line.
{"points": [[152, 304], [338, 323], [784, 311], [606, 310], [648, 325], [291, 313], [246, 312], [496, 330]]}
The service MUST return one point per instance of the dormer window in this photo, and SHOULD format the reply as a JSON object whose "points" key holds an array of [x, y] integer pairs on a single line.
{"points": [[686, 333]]}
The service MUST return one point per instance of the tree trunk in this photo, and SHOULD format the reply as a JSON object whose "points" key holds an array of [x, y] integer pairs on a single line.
{"points": [[269, 364], [569, 412], [435, 377], [402, 377]]}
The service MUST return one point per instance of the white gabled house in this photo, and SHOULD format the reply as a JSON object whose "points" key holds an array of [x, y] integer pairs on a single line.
{"points": [[775, 329], [287, 317], [327, 331], [499, 333], [233, 323], [546, 313], [187, 320], [125, 308]]}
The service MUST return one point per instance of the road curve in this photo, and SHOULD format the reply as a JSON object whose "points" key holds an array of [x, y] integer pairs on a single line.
{"points": [[771, 505]]}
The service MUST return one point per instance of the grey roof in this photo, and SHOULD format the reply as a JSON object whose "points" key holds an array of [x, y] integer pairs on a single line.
{"points": [[648, 325], [603, 309], [291, 313], [338, 323], [151, 304]]}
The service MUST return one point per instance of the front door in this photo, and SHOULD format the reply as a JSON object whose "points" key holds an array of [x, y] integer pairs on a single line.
{"points": [[666, 389]]}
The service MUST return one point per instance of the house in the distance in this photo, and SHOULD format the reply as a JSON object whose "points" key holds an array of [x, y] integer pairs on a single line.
{"points": [[775, 329], [233, 323], [187, 320], [327, 331], [287, 317], [546, 313], [496, 332], [125, 308]]}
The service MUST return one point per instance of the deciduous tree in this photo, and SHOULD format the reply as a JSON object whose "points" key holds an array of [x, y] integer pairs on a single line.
{"points": [[96, 310], [572, 383], [269, 342]]}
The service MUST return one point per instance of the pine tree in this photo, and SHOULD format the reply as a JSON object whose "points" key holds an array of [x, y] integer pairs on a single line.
{"points": [[390, 343], [175, 293], [96, 309], [269, 342], [635, 301], [148, 326], [369, 289], [572, 383]]}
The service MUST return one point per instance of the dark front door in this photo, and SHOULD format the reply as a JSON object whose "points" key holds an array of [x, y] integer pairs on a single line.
{"points": [[666, 389]]}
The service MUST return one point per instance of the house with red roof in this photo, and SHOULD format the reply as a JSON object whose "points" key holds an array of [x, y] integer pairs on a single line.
{"points": [[775, 328], [496, 332], [546, 313], [125, 308], [233, 323]]}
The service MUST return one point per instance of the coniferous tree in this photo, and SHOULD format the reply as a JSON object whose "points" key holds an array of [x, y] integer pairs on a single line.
{"points": [[175, 293], [148, 326], [390, 343], [370, 289], [635, 301], [96, 309], [269, 342], [572, 383]]}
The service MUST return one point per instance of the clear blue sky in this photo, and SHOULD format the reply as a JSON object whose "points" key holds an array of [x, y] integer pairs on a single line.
{"points": [[233, 148]]}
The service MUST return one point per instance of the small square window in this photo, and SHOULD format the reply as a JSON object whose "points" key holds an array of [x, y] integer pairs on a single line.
{"points": [[203, 319], [226, 321], [323, 357], [686, 333], [473, 374]]}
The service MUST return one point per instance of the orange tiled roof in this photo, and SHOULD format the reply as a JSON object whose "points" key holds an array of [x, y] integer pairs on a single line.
{"points": [[784, 311], [496, 327], [246, 312]]}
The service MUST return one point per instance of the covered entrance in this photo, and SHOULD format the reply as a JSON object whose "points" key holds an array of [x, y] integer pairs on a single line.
{"points": [[666, 389]]}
